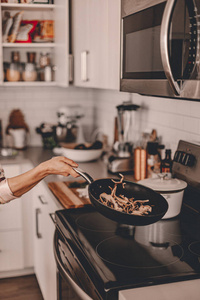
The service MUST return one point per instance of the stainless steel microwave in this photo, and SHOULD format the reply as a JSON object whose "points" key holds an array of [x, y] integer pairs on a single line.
{"points": [[160, 44]]}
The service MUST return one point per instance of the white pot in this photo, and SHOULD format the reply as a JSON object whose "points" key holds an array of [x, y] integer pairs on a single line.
{"points": [[171, 189]]}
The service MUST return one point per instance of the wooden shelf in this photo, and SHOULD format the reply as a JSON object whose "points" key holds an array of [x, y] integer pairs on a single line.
{"points": [[14, 6], [30, 83], [28, 45]]}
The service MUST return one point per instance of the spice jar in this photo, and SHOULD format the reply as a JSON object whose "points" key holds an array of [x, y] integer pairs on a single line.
{"points": [[13, 72], [29, 73], [45, 67]]}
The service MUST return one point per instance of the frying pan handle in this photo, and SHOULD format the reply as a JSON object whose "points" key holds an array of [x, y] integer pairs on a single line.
{"points": [[86, 176]]}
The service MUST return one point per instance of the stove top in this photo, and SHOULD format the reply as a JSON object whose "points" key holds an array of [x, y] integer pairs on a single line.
{"points": [[117, 256], [121, 256]]}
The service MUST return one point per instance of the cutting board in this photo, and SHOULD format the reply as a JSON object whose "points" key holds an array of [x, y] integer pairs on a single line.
{"points": [[68, 197]]}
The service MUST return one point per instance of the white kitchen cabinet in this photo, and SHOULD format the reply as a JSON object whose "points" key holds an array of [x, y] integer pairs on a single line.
{"points": [[44, 261], [13, 239], [96, 43], [58, 50]]}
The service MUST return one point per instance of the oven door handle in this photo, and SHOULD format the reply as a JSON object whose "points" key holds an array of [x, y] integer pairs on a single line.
{"points": [[164, 46], [74, 285]]}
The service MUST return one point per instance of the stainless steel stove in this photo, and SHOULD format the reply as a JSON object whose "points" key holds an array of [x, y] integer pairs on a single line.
{"points": [[99, 257]]}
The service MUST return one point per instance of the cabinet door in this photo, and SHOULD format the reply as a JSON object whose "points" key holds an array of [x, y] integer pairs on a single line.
{"points": [[80, 42], [96, 43], [44, 262], [62, 42]]}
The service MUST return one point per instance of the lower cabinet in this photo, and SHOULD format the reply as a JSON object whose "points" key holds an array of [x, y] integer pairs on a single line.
{"points": [[44, 261], [11, 230]]}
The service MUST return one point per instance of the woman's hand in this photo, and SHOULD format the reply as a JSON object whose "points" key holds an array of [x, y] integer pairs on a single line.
{"points": [[60, 165]]}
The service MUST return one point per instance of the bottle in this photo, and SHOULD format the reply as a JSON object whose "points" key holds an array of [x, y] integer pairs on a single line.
{"points": [[13, 73], [29, 73], [166, 163], [45, 67], [153, 159]]}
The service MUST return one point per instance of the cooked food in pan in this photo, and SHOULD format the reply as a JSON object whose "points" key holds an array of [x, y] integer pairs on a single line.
{"points": [[122, 203]]}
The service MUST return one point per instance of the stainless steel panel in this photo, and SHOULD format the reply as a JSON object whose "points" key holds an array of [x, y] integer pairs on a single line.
{"points": [[129, 7]]}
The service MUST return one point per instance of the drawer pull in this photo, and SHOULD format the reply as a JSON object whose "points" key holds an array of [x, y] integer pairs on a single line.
{"points": [[37, 212], [41, 198]]}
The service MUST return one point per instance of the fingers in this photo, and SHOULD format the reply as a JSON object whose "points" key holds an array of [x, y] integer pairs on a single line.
{"points": [[70, 162]]}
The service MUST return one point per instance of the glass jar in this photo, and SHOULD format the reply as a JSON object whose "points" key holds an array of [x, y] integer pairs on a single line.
{"points": [[30, 73], [13, 72], [45, 67]]}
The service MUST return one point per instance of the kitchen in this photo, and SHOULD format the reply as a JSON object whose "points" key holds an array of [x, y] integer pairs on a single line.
{"points": [[174, 119]]}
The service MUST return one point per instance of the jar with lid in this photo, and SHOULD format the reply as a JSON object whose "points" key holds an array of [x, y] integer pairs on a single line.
{"points": [[45, 67], [13, 72], [29, 73]]}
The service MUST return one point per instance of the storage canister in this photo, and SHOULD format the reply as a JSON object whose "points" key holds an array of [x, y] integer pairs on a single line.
{"points": [[172, 189]]}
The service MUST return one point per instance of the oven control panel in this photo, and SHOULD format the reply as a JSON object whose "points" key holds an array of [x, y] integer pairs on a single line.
{"points": [[186, 163]]}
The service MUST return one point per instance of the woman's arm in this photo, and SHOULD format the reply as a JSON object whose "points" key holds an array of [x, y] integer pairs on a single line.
{"points": [[58, 165]]}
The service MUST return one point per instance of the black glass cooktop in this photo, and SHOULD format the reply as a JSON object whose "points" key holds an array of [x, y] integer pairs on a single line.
{"points": [[122, 256]]}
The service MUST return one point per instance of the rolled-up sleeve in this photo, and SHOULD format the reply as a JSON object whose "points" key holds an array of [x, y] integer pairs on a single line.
{"points": [[6, 194]]}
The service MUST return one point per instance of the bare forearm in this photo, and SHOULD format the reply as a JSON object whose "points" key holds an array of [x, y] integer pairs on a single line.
{"points": [[23, 183], [58, 165]]}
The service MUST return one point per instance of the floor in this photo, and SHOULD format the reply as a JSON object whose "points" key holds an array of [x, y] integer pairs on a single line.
{"points": [[20, 288]]}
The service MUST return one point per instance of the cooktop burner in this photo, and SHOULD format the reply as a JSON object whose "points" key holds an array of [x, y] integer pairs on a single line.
{"points": [[92, 223], [124, 253], [195, 248]]}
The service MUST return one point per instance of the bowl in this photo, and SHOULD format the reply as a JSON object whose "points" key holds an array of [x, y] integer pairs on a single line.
{"points": [[79, 155]]}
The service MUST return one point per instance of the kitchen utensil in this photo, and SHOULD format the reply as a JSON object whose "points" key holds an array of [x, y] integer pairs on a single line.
{"points": [[171, 189], [95, 188]]}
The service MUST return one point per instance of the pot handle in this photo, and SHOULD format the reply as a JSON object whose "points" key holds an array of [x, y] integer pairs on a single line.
{"points": [[86, 176]]}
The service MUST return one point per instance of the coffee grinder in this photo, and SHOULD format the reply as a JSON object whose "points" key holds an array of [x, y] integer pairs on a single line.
{"points": [[121, 159]]}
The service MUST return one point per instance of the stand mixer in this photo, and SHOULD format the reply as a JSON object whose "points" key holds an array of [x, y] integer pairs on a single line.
{"points": [[69, 128], [122, 160]]}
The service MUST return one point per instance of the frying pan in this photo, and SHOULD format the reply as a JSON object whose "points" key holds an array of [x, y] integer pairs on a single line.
{"points": [[131, 189]]}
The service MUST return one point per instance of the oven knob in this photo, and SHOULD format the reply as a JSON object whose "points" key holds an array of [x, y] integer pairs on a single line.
{"points": [[178, 157], [189, 160]]}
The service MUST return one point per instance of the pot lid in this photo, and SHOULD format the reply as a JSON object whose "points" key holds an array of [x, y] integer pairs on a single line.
{"points": [[164, 184]]}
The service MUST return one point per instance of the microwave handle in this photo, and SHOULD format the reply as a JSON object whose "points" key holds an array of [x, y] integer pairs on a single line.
{"points": [[164, 46]]}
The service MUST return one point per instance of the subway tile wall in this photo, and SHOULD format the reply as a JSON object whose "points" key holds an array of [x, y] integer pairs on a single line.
{"points": [[174, 119], [39, 104]]}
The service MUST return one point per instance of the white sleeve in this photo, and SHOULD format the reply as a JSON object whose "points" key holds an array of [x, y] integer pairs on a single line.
{"points": [[6, 194]]}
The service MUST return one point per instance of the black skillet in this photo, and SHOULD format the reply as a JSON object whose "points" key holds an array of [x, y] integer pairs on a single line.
{"points": [[131, 189]]}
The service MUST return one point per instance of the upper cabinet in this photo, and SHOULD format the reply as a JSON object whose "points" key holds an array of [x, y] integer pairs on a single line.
{"points": [[36, 49], [96, 43]]}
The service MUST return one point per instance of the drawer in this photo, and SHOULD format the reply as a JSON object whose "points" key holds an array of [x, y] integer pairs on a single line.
{"points": [[11, 251], [11, 215]]}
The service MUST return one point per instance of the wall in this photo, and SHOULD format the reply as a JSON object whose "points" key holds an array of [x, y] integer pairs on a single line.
{"points": [[39, 104], [174, 119]]}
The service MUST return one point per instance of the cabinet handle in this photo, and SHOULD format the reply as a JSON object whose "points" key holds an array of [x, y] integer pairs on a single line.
{"points": [[71, 68], [37, 212], [41, 198], [84, 65]]}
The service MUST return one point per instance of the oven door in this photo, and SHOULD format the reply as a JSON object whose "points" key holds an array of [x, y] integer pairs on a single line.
{"points": [[72, 280], [159, 53]]}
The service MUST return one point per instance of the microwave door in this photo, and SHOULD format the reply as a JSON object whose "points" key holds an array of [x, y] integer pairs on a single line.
{"points": [[178, 43]]}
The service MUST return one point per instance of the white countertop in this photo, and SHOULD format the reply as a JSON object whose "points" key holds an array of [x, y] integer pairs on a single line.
{"points": [[184, 290]]}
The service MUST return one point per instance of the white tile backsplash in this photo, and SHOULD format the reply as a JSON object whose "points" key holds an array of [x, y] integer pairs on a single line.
{"points": [[40, 105], [174, 119]]}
